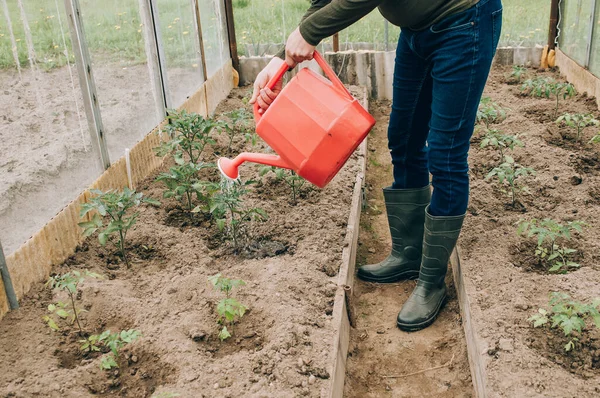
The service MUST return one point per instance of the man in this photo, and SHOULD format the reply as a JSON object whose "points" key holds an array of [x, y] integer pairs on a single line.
{"points": [[443, 58]]}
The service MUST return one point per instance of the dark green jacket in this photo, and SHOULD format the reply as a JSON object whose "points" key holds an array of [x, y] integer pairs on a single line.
{"points": [[326, 17]]}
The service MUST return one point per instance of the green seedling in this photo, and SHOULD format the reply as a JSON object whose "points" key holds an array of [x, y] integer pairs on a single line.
{"points": [[518, 72], [508, 173], [289, 177], [595, 139], [577, 121], [571, 316], [548, 87], [228, 309], [112, 342], [548, 232], [115, 206], [68, 283], [231, 216], [489, 112], [495, 139], [240, 119], [183, 184], [189, 134]]}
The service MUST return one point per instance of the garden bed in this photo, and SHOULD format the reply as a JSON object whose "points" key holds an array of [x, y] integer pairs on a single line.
{"points": [[281, 347], [506, 281]]}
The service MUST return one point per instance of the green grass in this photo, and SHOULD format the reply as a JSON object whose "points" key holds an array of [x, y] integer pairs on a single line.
{"points": [[113, 29]]}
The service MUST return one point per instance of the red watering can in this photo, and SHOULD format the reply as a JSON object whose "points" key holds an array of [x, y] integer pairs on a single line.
{"points": [[314, 125]]}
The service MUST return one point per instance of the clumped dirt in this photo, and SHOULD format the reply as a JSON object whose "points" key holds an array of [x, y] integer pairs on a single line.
{"points": [[279, 349], [507, 282], [380, 355]]}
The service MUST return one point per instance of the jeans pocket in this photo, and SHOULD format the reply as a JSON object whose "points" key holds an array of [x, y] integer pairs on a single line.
{"points": [[496, 28], [460, 21]]}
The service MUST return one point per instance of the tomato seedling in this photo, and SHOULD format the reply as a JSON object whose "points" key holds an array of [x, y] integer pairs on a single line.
{"points": [[289, 177], [109, 341], [571, 316], [228, 309], [495, 139], [231, 215], [183, 183], [548, 232], [189, 134], [548, 87], [68, 283], [115, 206], [489, 112], [508, 173], [518, 72], [240, 120], [577, 121]]}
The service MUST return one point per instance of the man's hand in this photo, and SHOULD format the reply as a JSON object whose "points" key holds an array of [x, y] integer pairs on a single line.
{"points": [[297, 49], [263, 95]]}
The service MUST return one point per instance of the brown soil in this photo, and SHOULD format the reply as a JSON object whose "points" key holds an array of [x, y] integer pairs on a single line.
{"points": [[279, 349], [380, 354], [508, 282]]}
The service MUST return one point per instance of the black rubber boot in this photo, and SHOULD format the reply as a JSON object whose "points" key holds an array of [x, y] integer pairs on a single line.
{"points": [[406, 217], [423, 305]]}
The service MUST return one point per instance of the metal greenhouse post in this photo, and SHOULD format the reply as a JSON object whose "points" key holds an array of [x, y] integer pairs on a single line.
{"points": [[8, 287], [199, 31], [588, 56], [86, 80], [155, 66]]}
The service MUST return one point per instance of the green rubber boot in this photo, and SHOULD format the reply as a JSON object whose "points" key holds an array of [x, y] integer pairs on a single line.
{"points": [[425, 302], [406, 218]]}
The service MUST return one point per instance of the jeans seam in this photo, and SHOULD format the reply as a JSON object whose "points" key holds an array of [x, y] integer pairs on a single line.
{"points": [[412, 118]]}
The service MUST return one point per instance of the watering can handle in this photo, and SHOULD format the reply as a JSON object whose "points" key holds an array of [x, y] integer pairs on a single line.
{"points": [[324, 65]]}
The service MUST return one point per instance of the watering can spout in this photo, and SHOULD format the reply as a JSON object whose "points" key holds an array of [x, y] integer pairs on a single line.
{"points": [[229, 167]]}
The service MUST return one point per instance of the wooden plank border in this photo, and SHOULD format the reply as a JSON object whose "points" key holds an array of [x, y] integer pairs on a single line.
{"points": [[474, 345], [342, 307], [57, 240]]}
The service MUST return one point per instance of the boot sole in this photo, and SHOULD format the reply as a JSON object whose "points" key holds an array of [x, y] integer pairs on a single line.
{"points": [[414, 327], [408, 275]]}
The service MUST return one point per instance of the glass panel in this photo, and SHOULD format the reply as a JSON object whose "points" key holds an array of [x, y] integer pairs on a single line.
{"points": [[46, 154], [595, 58], [181, 46], [575, 28], [525, 23], [214, 34], [115, 40]]}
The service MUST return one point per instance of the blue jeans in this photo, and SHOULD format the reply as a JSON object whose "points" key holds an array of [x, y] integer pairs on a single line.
{"points": [[439, 76]]}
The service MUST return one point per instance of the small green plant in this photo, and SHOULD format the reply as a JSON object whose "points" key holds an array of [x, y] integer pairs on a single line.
{"points": [[183, 183], [189, 134], [548, 232], [508, 173], [240, 119], [571, 316], [112, 342], [495, 139], [289, 177], [548, 87], [595, 139], [518, 72], [69, 284], [489, 112], [231, 215], [228, 309], [577, 121], [116, 207]]}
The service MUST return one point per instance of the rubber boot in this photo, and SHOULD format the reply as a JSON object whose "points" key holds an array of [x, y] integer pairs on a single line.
{"points": [[425, 302], [406, 217]]}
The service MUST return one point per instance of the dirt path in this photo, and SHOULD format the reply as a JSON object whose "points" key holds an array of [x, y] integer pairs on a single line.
{"points": [[378, 349]]}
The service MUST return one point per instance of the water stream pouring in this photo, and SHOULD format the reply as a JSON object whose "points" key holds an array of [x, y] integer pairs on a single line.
{"points": [[314, 125]]}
